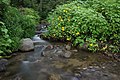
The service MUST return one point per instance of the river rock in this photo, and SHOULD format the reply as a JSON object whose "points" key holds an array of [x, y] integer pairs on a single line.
{"points": [[75, 50], [66, 54], [117, 56], [26, 45], [36, 38], [68, 47], [54, 77], [59, 52], [74, 78], [3, 63]]}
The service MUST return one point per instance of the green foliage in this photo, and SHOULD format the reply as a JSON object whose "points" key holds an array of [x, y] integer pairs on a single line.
{"points": [[30, 19], [86, 22], [5, 41], [12, 19], [42, 6], [5, 2], [110, 9], [20, 24]]}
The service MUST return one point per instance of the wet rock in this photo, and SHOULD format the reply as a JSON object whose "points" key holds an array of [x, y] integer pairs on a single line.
{"points": [[36, 38], [59, 52], [26, 45], [93, 70], [74, 78], [68, 47], [67, 54], [85, 68], [49, 47], [75, 50], [46, 54], [117, 56], [78, 75], [3, 63], [18, 78], [54, 77]]}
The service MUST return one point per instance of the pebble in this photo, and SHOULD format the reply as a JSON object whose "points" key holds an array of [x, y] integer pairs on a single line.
{"points": [[59, 52], [77, 75], [75, 50], [67, 54], [90, 67], [103, 67], [75, 78], [84, 68], [93, 70], [3, 63], [68, 47], [54, 77]]}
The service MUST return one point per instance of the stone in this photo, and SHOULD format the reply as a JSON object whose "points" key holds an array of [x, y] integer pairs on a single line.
{"points": [[77, 74], [3, 63], [68, 47], [67, 54], [75, 50], [117, 56], [36, 38], [54, 77], [26, 44], [59, 52]]}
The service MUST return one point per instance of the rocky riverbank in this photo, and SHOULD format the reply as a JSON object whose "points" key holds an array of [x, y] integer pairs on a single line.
{"points": [[58, 61]]}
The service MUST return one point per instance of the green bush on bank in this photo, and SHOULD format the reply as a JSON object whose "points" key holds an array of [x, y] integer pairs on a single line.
{"points": [[5, 41], [85, 25], [15, 24], [30, 19], [20, 23], [110, 9]]}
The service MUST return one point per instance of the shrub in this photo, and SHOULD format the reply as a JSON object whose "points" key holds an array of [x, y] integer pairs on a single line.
{"points": [[110, 9], [20, 24], [30, 19], [83, 24], [12, 19], [5, 41], [5, 2]]}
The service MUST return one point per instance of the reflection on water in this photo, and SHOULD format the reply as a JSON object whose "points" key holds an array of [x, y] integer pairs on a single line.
{"points": [[26, 71]]}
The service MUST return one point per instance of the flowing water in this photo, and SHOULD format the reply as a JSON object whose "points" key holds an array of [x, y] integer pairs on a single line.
{"points": [[47, 62]]}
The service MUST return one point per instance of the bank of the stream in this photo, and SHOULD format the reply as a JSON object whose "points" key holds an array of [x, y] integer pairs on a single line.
{"points": [[58, 61]]}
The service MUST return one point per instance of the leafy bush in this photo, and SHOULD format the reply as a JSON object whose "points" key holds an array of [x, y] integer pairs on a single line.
{"points": [[110, 9], [30, 19], [12, 19], [5, 41], [83, 24], [20, 23], [5, 2]]}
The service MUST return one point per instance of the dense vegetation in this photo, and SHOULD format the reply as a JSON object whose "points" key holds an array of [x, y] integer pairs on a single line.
{"points": [[18, 19], [93, 24], [15, 24], [42, 6]]}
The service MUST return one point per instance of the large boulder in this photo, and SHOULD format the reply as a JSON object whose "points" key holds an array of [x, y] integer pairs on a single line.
{"points": [[26, 44]]}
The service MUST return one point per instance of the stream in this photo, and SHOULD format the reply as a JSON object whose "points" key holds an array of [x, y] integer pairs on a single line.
{"points": [[52, 61]]}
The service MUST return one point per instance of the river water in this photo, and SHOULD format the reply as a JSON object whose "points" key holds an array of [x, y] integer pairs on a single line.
{"points": [[47, 62]]}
